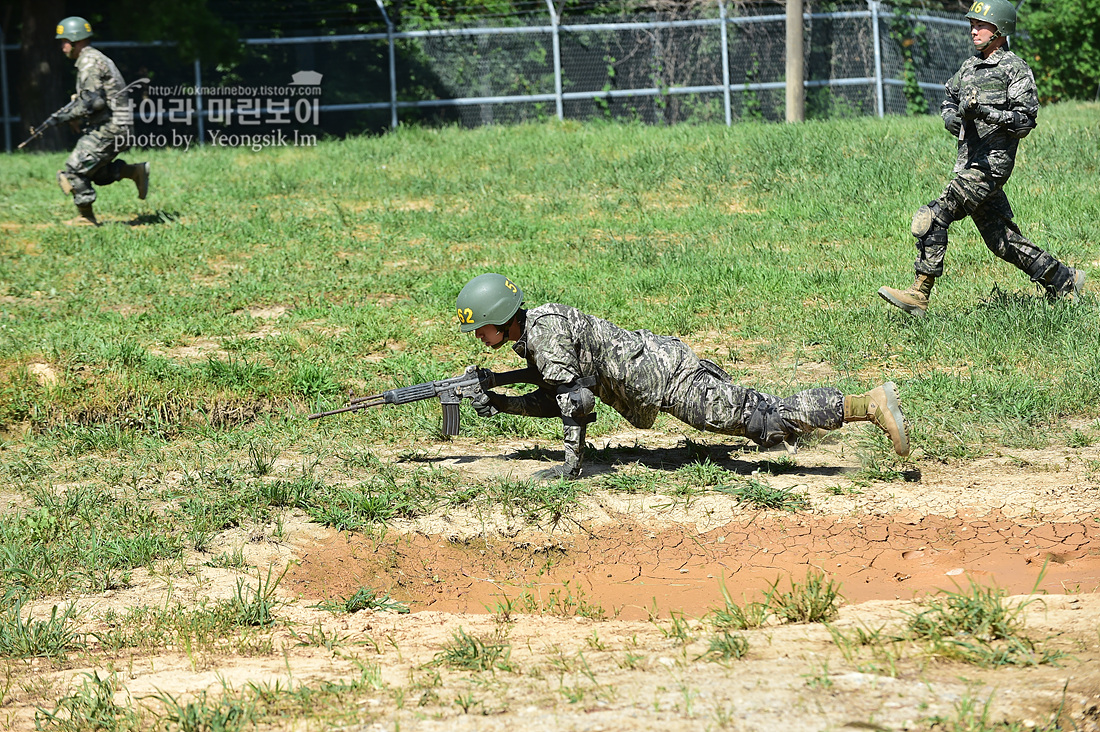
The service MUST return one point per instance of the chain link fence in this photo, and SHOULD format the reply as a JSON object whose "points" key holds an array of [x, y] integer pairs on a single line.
{"points": [[710, 62]]}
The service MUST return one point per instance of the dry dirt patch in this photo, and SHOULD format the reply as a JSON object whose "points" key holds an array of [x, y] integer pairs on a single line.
{"points": [[997, 520]]}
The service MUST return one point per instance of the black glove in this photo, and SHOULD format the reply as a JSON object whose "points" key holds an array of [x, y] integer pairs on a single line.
{"points": [[953, 123], [968, 103], [483, 404]]}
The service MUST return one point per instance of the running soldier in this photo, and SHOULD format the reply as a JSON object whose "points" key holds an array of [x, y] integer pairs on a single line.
{"points": [[639, 374], [107, 121], [991, 105]]}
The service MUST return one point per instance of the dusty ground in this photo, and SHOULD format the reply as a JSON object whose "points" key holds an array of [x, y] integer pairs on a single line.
{"points": [[1018, 520]]}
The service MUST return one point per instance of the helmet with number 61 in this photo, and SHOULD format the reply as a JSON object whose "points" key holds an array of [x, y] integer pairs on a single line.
{"points": [[488, 299], [1000, 13]]}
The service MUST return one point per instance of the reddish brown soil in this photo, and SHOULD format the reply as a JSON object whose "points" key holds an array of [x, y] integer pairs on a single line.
{"points": [[626, 569]]}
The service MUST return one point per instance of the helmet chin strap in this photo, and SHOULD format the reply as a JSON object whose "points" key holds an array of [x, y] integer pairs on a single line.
{"points": [[992, 38]]}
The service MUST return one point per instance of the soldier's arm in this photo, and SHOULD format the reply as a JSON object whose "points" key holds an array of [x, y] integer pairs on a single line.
{"points": [[540, 402], [551, 341], [949, 109]]}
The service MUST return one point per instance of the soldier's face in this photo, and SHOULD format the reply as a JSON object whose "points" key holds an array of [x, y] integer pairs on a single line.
{"points": [[490, 335], [70, 49], [981, 32]]}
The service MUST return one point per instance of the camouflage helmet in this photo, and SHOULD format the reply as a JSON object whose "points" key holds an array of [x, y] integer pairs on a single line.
{"points": [[74, 28], [1000, 13], [488, 299]]}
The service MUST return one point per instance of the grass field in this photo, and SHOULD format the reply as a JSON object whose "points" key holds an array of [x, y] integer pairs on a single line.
{"points": [[155, 372]]}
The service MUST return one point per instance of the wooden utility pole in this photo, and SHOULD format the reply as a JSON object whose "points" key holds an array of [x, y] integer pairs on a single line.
{"points": [[796, 93]]}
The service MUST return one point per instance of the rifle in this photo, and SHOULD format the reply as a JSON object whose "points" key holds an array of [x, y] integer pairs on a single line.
{"points": [[451, 392], [52, 120]]}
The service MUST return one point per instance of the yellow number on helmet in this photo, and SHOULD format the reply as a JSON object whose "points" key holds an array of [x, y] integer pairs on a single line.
{"points": [[469, 315], [510, 286]]}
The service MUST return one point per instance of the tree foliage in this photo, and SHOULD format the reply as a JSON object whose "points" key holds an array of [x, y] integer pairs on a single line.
{"points": [[1061, 42]]}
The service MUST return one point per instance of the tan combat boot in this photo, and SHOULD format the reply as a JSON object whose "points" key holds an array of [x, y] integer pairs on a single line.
{"points": [[85, 218], [63, 182], [881, 407], [139, 174], [914, 300]]}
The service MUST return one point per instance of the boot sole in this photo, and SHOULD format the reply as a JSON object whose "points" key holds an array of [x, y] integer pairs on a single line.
{"points": [[893, 405], [913, 310]]}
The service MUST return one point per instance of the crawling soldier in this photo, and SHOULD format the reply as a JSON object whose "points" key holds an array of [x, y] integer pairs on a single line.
{"points": [[581, 357]]}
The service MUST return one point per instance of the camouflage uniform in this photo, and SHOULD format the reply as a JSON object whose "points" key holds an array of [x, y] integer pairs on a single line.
{"points": [[639, 374], [987, 153], [104, 131]]}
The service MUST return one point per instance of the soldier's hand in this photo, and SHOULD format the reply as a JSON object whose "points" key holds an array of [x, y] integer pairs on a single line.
{"points": [[953, 123], [968, 103], [483, 405]]}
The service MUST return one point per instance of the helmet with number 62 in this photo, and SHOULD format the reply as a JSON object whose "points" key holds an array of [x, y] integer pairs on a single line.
{"points": [[74, 28], [488, 299], [1000, 13]]}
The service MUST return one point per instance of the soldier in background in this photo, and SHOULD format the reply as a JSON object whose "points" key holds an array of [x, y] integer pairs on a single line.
{"points": [[107, 122], [639, 374], [991, 105]]}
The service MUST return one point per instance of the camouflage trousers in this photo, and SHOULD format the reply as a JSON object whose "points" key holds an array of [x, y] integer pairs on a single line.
{"points": [[93, 160], [976, 194], [715, 404]]}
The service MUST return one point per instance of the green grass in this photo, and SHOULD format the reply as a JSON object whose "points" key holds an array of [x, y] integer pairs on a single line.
{"points": [[472, 653], [26, 637], [758, 494], [365, 598], [814, 600], [978, 626], [184, 352]]}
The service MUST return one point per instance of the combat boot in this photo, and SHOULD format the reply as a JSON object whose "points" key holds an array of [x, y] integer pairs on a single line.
{"points": [[139, 174], [1071, 289], [914, 300], [881, 407], [86, 216], [63, 182]]}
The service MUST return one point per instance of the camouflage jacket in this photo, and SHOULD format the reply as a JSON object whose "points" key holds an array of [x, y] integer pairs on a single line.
{"points": [[636, 372], [97, 75], [1004, 83]]}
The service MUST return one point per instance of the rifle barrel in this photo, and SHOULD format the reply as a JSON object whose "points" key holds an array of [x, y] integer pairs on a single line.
{"points": [[375, 400]]}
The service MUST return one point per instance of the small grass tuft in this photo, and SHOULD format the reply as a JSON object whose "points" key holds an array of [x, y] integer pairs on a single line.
{"points": [[30, 638], [759, 494], [470, 653], [977, 626], [814, 601], [725, 647], [365, 598]]}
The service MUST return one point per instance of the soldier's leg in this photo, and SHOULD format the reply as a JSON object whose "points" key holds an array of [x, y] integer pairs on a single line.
{"points": [[1003, 237], [93, 153], [930, 225], [716, 405]]}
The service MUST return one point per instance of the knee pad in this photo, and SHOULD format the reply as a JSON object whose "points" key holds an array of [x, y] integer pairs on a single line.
{"points": [[929, 217], [765, 425], [922, 221]]}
